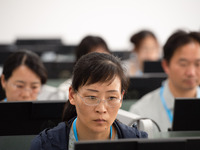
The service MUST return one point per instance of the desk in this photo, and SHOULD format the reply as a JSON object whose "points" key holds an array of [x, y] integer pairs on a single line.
{"points": [[19, 142], [176, 134], [126, 104], [23, 142]]}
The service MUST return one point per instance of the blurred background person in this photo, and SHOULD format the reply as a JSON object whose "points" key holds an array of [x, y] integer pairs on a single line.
{"points": [[23, 79], [88, 44], [145, 48], [181, 63]]}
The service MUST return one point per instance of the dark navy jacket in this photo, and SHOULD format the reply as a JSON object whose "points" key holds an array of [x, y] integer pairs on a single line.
{"points": [[57, 138]]}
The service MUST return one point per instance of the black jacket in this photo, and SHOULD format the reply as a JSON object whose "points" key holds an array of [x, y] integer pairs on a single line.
{"points": [[57, 138]]}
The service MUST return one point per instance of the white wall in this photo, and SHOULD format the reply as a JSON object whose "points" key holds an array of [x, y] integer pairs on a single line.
{"points": [[114, 20]]}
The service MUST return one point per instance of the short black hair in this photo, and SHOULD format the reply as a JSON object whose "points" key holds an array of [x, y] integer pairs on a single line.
{"points": [[138, 37], [88, 43], [177, 39], [97, 67], [23, 57], [27, 58]]}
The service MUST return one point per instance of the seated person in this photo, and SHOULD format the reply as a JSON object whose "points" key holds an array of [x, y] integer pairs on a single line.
{"points": [[95, 96], [181, 63], [88, 44], [145, 48], [23, 79]]}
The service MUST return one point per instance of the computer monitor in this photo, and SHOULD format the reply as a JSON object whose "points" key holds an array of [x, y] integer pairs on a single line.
{"points": [[51, 41], [59, 70], [139, 86], [186, 114], [193, 143], [132, 144], [127, 144], [161, 144], [123, 55], [152, 67], [5, 51], [29, 118]]}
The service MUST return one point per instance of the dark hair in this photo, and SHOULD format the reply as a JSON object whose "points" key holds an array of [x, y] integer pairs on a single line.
{"points": [[137, 38], [88, 43], [92, 68], [27, 58], [178, 39]]}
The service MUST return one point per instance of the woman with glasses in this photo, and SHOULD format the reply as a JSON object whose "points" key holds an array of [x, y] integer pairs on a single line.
{"points": [[24, 77], [95, 96]]}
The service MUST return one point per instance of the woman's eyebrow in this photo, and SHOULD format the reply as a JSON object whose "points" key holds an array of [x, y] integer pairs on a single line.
{"points": [[35, 83], [92, 90], [112, 91], [20, 81]]}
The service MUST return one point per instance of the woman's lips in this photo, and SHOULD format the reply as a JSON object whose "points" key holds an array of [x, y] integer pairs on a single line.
{"points": [[100, 120]]}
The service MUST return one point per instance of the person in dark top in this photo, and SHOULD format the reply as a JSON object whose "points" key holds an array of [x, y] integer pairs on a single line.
{"points": [[95, 96]]}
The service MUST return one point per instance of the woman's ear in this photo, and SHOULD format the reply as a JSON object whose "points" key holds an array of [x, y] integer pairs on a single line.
{"points": [[72, 95], [123, 92], [3, 82]]}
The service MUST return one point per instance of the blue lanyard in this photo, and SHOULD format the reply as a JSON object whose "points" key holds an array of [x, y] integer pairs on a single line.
{"points": [[198, 92], [5, 100], [75, 131], [169, 113]]}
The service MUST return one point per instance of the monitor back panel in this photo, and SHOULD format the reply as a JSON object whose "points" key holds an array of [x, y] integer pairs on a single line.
{"points": [[106, 145], [139, 86], [153, 67], [29, 118], [186, 114], [133, 144]]}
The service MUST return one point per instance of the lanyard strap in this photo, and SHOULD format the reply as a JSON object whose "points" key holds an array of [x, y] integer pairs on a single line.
{"points": [[198, 92], [168, 111], [75, 131]]}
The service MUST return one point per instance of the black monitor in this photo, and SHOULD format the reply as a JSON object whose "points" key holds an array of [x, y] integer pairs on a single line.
{"points": [[123, 55], [42, 41], [161, 144], [106, 145], [29, 118], [132, 144], [186, 115], [43, 49], [193, 143], [5, 51], [139, 86], [152, 67], [59, 70]]}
